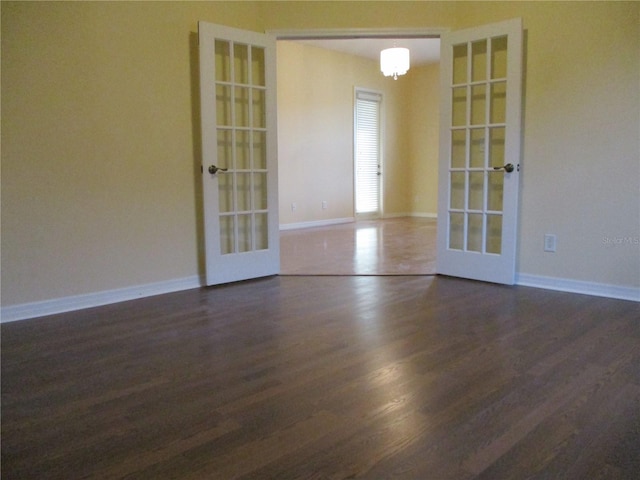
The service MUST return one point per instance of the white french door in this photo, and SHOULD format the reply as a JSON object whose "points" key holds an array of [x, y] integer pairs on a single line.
{"points": [[238, 114], [368, 153], [479, 164]]}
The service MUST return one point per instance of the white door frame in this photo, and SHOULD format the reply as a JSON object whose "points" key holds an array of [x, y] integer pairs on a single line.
{"points": [[351, 33]]}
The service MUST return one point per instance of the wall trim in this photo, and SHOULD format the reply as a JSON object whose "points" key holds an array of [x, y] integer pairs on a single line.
{"points": [[316, 223], [578, 286], [335, 33], [413, 214], [338, 221], [24, 311], [78, 302]]}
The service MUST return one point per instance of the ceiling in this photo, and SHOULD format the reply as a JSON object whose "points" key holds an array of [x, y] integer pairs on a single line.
{"points": [[422, 50]]}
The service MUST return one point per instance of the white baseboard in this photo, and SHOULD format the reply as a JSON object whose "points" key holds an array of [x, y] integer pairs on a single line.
{"points": [[316, 223], [413, 214], [576, 286], [23, 311], [338, 221]]}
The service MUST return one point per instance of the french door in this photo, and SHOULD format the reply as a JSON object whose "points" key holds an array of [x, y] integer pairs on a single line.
{"points": [[239, 171], [479, 164]]}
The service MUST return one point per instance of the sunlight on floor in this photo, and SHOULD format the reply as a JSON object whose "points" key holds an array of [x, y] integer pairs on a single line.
{"points": [[395, 246]]}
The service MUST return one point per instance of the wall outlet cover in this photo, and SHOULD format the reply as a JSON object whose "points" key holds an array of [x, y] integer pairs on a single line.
{"points": [[550, 241]]}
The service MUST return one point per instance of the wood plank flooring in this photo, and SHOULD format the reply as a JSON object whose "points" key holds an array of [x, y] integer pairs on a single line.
{"points": [[403, 377], [392, 246]]}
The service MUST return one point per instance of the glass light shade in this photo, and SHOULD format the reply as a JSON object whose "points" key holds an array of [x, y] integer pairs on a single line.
{"points": [[394, 61]]}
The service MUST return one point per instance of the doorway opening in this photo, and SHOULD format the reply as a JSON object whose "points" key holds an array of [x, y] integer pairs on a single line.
{"points": [[319, 184]]}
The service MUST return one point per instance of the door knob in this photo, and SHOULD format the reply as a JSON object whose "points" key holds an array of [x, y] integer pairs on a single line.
{"points": [[507, 168], [213, 169]]}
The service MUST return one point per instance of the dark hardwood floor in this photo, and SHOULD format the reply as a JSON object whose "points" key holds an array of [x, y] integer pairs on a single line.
{"points": [[327, 378]]}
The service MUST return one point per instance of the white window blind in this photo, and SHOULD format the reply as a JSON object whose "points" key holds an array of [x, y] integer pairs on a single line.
{"points": [[367, 148]]}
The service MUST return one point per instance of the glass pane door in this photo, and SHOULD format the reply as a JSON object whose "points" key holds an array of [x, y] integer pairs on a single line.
{"points": [[479, 167], [368, 155], [238, 104]]}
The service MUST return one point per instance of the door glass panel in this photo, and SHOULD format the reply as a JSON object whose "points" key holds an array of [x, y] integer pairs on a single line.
{"points": [[243, 187], [243, 151], [227, 244], [479, 61], [496, 146], [241, 63], [244, 233], [494, 234], [460, 64], [478, 104], [225, 151], [474, 232], [456, 230], [259, 112], [225, 192], [476, 190], [498, 102], [262, 231], [459, 113], [499, 57], [458, 148], [242, 107], [257, 66], [476, 153], [259, 150], [457, 190], [260, 191], [223, 65], [223, 105], [495, 190]]}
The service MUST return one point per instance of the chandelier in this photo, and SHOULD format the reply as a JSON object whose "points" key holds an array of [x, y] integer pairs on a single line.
{"points": [[394, 61]]}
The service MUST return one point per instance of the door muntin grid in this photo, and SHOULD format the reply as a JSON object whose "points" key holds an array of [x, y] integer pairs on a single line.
{"points": [[477, 145], [241, 99]]}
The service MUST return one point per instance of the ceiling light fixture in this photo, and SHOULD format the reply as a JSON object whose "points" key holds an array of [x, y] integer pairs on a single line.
{"points": [[394, 61]]}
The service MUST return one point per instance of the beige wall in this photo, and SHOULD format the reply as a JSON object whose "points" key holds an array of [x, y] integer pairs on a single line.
{"points": [[581, 165], [100, 181], [422, 107], [315, 134]]}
